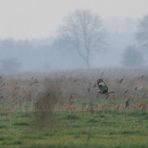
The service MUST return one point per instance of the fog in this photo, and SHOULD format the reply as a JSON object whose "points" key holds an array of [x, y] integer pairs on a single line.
{"points": [[44, 55], [50, 52]]}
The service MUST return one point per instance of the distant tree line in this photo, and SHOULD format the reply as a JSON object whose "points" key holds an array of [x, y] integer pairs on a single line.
{"points": [[135, 54], [81, 36]]}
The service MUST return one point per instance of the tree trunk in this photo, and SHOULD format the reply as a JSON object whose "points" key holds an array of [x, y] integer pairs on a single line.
{"points": [[88, 63]]}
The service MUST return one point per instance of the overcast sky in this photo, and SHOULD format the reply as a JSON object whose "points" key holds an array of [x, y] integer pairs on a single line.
{"points": [[28, 19]]}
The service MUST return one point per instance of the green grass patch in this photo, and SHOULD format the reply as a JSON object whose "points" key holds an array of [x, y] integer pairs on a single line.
{"points": [[76, 130]]}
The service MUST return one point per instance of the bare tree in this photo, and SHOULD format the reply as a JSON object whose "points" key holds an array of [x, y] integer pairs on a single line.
{"points": [[10, 65], [83, 31], [142, 34], [133, 57]]}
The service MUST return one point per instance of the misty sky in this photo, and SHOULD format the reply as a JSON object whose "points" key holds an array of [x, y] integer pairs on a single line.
{"points": [[32, 19]]}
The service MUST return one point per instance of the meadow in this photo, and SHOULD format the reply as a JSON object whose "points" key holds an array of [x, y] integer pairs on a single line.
{"points": [[62, 109]]}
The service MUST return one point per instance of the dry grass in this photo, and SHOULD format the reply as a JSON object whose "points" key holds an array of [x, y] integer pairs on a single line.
{"points": [[60, 90]]}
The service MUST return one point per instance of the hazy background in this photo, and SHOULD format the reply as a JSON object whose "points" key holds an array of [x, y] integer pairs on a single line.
{"points": [[30, 34]]}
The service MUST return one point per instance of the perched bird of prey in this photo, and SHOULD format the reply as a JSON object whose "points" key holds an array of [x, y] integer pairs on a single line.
{"points": [[103, 89]]}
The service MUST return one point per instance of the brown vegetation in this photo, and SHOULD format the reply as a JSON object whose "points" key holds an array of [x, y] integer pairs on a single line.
{"points": [[59, 91]]}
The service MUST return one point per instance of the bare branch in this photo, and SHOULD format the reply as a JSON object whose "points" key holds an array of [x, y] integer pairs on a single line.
{"points": [[84, 32]]}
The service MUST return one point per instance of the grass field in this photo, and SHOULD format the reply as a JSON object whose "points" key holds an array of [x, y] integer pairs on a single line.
{"points": [[75, 129], [62, 110]]}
